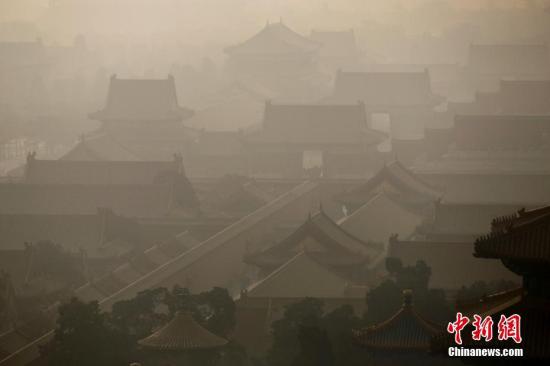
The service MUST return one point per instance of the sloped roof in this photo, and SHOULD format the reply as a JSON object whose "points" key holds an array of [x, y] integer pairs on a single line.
{"points": [[330, 124], [142, 100], [488, 304], [408, 185], [452, 264], [385, 88], [512, 237], [406, 330], [514, 97], [467, 185], [300, 277], [501, 132], [275, 38], [323, 240], [468, 219], [25, 350], [127, 200], [526, 96], [99, 147], [180, 334], [381, 217], [99, 172], [508, 58]]}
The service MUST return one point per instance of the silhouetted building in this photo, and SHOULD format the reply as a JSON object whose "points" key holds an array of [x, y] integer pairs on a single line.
{"points": [[404, 338], [451, 262], [300, 277], [502, 132], [88, 172], [489, 63], [513, 97], [518, 240], [325, 242], [278, 58], [299, 140], [396, 182], [141, 118], [132, 189], [405, 97], [382, 216], [182, 333]]}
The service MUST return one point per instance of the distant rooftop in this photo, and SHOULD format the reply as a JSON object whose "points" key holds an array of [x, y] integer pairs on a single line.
{"points": [[385, 88], [142, 100], [274, 38], [509, 58]]}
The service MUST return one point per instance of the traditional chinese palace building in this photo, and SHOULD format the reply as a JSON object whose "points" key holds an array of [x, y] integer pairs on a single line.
{"points": [[141, 120], [278, 58], [328, 140], [520, 242], [404, 338]]}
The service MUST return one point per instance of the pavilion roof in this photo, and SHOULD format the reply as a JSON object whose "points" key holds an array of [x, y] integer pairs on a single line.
{"points": [[397, 176], [405, 330], [323, 240], [182, 333], [273, 39], [142, 100]]}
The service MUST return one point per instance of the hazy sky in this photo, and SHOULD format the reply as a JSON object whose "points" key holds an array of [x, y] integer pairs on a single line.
{"points": [[198, 20]]}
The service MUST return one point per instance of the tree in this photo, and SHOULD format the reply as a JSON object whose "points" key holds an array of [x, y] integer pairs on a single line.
{"points": [[218, 311], [138, 317], [306, 336], [386, 299], [315, 347], [285, 346], [339, 325], [83, 337]]}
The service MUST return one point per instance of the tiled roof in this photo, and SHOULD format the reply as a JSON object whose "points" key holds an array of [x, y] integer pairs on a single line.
{"points": [[406, 330], [497, 187], [274, 39], [491, 303], [142, 100], [64, 199], [381, 217], [524, 237], [322, 239], [385, 88], [99, 147], [302, 276], [99, 172], [28, 350], [501, 132], [331, 124], [508, 58], [180, 334], [408, 186]]}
